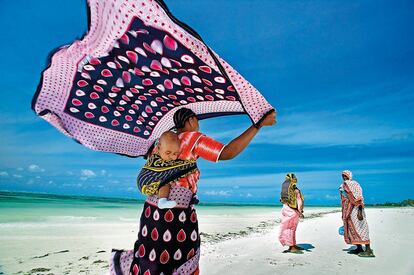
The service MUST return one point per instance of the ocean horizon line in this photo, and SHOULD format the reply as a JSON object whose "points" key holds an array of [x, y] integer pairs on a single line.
{"points": [[44, 195]]}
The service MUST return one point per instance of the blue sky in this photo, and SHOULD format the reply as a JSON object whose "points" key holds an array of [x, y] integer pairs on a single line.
{"points": [[340, 73]]}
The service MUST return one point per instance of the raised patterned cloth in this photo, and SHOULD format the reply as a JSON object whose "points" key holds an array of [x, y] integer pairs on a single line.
{"points": [[117, 89], [158, 172]]}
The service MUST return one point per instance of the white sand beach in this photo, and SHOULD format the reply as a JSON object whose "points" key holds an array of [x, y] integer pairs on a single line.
{"points": [[235, 240], [391, 229]]}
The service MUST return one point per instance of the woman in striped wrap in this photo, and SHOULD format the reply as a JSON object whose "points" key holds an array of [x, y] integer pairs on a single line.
{"points": [[356, 230]]}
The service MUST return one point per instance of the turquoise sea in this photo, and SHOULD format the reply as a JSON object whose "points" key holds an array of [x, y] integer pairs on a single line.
{"points": [[30, 207]]}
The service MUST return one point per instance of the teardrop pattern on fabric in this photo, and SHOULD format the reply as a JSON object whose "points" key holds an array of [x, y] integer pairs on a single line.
{"points": [[147, 212], [181, 236], [152, 255], [144, 57], [154, 234], [141, 251], [170, 43], [193, 217], [177, 255], [135, 269], [164, 257], [169, 216], [144, 231], [190, 254], [166, 236], [156, 215], [182, 217], [194, 236]]}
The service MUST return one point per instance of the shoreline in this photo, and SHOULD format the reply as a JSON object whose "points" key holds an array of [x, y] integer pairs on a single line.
{"points": [[5, 194], [263, 227]]}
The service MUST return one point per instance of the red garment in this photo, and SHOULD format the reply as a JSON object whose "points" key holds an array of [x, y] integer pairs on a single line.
{"points": [[195, 145]]}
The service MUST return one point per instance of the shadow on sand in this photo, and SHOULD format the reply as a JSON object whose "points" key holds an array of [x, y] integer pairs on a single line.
{"points": [[306, 246], [349, 248]]}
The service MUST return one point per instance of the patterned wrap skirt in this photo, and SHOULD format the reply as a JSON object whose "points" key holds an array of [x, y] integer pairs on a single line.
{"points": [[355, 231], [168, 240]]}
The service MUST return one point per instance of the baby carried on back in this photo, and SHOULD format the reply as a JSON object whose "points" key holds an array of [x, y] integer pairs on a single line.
{"points": [[163, 168]]}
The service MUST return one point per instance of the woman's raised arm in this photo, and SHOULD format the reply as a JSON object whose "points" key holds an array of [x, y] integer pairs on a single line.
{"points": [[237, 145]]}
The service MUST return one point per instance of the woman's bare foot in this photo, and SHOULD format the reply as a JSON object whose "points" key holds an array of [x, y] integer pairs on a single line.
{"points": [[293, 249], [369, 253]]}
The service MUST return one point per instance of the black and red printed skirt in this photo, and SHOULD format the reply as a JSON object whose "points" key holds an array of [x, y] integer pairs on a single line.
{"points": [[168, 239]]}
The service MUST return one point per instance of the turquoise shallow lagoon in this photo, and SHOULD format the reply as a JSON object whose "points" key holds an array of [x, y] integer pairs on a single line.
{"points": [[24, 209]]}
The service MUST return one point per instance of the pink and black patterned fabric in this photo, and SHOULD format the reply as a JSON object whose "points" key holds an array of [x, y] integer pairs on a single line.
{"points": [[168, 240], [117, 89]]}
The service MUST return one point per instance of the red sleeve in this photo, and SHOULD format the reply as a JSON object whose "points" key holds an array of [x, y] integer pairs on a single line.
{"points": [[208, 148]]}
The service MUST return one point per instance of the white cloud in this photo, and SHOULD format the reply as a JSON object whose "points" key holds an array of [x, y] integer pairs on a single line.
{"points": [[87, 173], [103, 172], [19, 169], [221, 193], [83, 178], [328, 128], [324, 129], [270, 183], [17, 176], [35, 168], [4, 174]]}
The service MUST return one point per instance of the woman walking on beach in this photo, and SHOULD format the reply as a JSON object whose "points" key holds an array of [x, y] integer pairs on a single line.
{"points": [[168, 239], [356, 230], [292, 211]]}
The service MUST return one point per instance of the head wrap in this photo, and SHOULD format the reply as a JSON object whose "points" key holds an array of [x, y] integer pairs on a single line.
{"points": [[291, 177], [347, 173], [181, 117], [287, 195]]}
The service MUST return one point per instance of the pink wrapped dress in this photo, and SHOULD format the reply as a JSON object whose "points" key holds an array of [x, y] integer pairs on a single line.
{"points": [[289, 223]]}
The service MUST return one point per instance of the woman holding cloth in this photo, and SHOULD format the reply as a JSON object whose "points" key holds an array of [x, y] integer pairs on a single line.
{"points": [[168, 239]]}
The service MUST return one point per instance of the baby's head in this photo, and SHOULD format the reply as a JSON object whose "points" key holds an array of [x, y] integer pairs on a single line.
{"points": [[169, 146]]}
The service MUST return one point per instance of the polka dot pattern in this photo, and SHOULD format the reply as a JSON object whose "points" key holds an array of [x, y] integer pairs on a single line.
{"points": [[117, 89]]}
